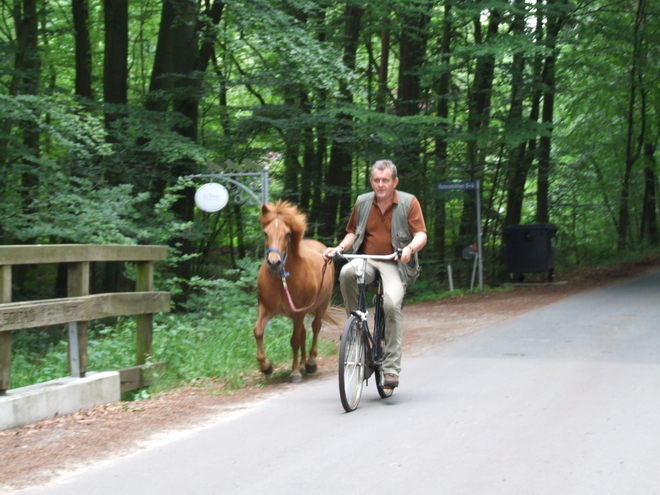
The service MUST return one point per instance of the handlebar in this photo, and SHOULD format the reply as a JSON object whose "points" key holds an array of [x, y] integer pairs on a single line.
{"points": [[376, 257]]}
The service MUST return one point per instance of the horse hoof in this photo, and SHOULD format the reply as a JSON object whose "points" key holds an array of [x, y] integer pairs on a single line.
{"points": [[297, 378], [268, 370], [311, 368]]}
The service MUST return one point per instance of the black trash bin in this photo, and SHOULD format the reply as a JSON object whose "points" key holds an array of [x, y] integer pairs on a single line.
{"points": [[530, 249]]}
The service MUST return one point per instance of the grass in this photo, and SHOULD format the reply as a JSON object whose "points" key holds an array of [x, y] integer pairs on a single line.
{"points": [[212, 341], [197, 347]]}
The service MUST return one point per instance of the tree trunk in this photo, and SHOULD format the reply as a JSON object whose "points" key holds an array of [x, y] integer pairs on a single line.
{"points": [[414, 35], [28, 26], [479, 101], [175, 78], [338, 181], [556, 20], [185, 61], [441, 148], [518, 166], [28, 66], [160, 82], [632, 151], [291, 137], [115, 60], [649, 228], [185, 96], [309, 157], [80, 10], [383, 68], [317, 178]]}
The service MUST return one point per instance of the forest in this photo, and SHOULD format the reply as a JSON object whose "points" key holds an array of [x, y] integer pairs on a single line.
{"points": [[107, 107]]}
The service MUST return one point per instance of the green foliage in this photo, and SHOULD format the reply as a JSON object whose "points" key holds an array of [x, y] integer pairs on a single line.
{"points": [[278, 91]]}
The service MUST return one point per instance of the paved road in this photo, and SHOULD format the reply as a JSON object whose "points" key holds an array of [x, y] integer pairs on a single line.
{"points": [[561, 400]]}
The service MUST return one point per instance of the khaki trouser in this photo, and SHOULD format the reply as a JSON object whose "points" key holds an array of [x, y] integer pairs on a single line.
{"points": [[393, 292]]}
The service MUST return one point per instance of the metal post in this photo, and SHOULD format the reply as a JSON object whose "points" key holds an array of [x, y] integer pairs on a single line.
{"points": [[264, 186], [74, 350], [479, 244], [5, 337]]}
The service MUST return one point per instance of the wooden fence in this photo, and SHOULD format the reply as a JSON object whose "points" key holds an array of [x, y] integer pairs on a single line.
{"points": [[80, 307]]}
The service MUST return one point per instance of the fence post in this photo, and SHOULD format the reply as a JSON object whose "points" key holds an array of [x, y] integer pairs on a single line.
{"points": [[144, 281], [78, 285], [5, 337]]}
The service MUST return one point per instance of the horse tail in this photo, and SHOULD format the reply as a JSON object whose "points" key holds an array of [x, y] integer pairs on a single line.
{"points": [[335, 315]]}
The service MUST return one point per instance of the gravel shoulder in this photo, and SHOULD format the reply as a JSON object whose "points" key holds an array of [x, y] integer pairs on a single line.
{"points": [[41, 452]]}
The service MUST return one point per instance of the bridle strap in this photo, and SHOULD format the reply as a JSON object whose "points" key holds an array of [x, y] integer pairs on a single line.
{"points": [[285, 274], [288, 294]]}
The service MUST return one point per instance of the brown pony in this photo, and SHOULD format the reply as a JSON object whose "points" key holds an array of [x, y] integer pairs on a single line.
{"points": [[300, 262]]}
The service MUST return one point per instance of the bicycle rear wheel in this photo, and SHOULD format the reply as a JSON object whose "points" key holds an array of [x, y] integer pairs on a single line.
{"points": [[379, 336], [351, 364]]}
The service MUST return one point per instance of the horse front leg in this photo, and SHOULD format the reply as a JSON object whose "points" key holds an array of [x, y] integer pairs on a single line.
{"points": [[262, 319], [310, 365], [298, 345]]}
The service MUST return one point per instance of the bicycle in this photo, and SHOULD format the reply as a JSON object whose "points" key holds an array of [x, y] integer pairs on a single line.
{"points": [[361, 351]]}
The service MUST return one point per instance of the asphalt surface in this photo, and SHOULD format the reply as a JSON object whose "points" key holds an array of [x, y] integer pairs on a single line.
{"points": [[560, 400]]}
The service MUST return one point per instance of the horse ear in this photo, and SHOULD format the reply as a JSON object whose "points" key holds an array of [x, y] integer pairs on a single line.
{"points": [[265, 208]]}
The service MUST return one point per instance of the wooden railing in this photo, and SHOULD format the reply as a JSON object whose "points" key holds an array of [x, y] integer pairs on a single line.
{"points": [[79, 307]]}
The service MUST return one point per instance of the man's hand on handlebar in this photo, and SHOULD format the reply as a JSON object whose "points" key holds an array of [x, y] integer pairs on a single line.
{"points": [[404, 255], [331, 252]]}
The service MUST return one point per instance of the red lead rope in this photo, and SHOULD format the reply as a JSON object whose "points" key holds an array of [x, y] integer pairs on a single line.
{"points": [[293, 306]]}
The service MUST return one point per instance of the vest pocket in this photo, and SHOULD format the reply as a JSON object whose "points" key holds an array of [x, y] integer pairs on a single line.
{"points": [[403, 238], [409, 271]]}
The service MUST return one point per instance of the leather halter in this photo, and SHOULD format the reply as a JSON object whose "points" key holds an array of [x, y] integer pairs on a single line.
{"points": [[284, 257]]}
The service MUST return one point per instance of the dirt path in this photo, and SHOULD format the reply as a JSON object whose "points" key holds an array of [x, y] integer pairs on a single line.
{"points": [[41, 452]]}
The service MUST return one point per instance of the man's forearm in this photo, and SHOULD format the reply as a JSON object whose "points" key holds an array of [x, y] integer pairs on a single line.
{"points": [[418, 242], [347, 243]]}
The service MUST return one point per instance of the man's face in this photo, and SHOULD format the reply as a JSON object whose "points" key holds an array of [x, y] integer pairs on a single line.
{"points": [[383, 184]]}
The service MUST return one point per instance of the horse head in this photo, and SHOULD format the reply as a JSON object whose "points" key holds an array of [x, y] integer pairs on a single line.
{"points": [[284, 227]]}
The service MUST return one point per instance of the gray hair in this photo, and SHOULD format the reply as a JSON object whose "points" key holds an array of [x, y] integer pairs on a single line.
{"points": [[382, 165]]}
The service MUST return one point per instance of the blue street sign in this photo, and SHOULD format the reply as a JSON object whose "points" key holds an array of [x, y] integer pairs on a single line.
{"points": [[453, 186], [462, 186]]}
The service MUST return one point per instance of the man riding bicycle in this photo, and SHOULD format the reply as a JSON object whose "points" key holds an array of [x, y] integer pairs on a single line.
{"points": [[382, 221]]}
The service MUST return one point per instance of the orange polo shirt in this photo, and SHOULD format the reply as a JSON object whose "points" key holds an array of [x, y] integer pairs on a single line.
{"points": [[378, 235]]}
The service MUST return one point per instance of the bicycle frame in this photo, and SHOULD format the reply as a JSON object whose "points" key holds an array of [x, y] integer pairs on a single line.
{"points": [[372, 342]]}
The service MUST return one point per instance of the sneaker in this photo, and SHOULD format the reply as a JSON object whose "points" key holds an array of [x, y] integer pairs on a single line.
{"points": [[391, 381]]}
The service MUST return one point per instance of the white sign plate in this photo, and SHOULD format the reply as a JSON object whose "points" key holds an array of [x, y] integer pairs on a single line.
{"points": [[211, 197]]}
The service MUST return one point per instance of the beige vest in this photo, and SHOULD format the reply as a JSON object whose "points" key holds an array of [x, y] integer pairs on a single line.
{"points": [[401, 235]]}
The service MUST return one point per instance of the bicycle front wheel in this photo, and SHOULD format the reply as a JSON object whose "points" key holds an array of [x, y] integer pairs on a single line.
{"points": [[351, 364]]}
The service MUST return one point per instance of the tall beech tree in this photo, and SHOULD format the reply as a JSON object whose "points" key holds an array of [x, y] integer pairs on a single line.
{"points": [[441, 142], [80, 9], [415, 17], [635, 138], [552, 105], [557, 14], [478, 120], [115, 57], [337, 203]]}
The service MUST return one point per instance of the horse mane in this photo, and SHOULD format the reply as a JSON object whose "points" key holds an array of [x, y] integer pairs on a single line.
{"points": [[289, 214]]}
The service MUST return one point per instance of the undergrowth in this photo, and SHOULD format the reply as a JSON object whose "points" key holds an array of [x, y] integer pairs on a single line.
{"points": [[211, 340]]}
